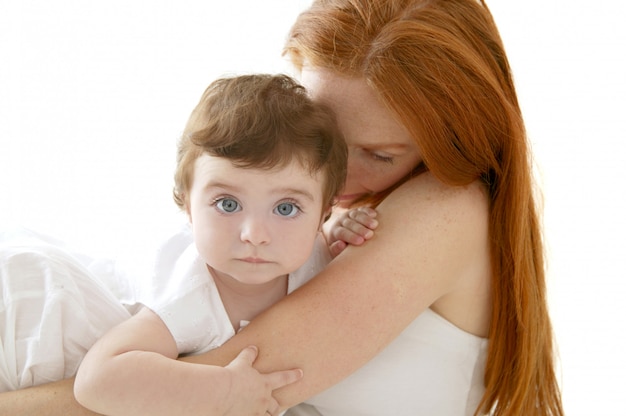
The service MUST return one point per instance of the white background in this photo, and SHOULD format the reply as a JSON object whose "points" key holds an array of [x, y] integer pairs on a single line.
{"points": [[93, 96]]}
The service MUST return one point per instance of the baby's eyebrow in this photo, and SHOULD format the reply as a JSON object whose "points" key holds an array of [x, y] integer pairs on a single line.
{"points": [[278, 191], [295, 191], [221, 185]]}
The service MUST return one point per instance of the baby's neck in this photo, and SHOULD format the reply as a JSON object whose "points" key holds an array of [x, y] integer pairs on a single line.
{"points": [[242, 301]]}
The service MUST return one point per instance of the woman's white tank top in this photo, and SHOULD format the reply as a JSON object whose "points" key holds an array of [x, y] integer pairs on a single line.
{"points": [[432, 368]]}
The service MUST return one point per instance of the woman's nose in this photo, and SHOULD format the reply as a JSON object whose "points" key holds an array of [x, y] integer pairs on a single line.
{"points": [[255, 231]]}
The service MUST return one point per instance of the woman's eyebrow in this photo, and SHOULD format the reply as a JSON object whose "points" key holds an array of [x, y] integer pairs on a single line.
{"points": [[379, 146]]}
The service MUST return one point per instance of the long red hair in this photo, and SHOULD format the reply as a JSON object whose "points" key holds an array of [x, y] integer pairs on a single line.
{"points": [[440, 66]]}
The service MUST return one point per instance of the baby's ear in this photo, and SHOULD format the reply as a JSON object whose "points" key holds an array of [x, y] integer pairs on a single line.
{"points": [[325, 216], [188, 211]]}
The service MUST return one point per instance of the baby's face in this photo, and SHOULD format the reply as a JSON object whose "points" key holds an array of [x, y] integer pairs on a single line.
{"points": [[254, 225]]}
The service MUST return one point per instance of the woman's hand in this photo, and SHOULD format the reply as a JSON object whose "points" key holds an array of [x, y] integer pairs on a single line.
{"points": [[354, 227], [250, 391]]}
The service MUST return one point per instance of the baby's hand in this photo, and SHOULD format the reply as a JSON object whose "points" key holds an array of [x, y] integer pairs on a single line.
{"points": [[355, 227], [250, 392]]}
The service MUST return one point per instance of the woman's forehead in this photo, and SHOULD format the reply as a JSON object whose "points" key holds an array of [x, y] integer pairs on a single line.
{"points": [[362, 117]]}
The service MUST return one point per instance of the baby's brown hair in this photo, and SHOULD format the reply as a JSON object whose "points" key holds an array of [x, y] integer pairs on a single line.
{"points": [[262, 121]]}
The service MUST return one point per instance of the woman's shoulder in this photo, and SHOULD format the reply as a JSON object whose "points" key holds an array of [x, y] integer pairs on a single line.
{"points": [[425, 197], [446, 229]]}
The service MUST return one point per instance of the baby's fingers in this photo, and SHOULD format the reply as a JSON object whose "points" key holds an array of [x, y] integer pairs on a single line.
{"points": [[348, 232], [246, 357], [336, 248], [280, 379], [355, 232], [364, 216]]}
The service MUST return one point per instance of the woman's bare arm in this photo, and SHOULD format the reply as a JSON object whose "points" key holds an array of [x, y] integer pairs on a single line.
{"points": [[53, 399], [428, 235]]}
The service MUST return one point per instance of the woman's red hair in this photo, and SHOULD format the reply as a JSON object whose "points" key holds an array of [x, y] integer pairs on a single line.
{"points": [[440, 66]]}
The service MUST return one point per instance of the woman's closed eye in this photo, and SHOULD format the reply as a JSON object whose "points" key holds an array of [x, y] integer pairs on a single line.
{"points": [[381, 157]]}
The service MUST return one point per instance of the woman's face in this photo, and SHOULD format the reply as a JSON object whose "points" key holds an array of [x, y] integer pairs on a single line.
{"points": [[381, 151]]}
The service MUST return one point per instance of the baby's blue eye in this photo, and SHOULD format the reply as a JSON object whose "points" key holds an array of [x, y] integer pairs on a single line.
{"points": [[227, 205], [287, 209]]}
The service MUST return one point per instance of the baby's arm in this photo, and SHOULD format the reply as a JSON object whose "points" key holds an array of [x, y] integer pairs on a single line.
{"points": [[133, 370], [354, 226]]}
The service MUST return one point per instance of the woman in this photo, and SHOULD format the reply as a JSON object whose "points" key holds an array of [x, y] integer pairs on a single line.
{"points": [[444, 310], [425, 98]]}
